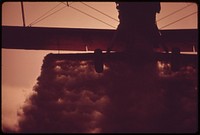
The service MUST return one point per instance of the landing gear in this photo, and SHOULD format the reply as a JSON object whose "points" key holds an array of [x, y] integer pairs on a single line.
{"points": [[173, 58], [175, 63], [98, 61]]}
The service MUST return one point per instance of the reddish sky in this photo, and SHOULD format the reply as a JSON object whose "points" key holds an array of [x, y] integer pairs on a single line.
{"points": [[68, 17], [20, 68]]}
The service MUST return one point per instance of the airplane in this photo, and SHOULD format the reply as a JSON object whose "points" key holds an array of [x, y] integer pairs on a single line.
{"points": [[182, 43]]}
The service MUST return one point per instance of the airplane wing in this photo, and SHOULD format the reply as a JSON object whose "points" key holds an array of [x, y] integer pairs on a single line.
{"points": [[184, 39], [36, 38], [98, 59], [76, 39]]}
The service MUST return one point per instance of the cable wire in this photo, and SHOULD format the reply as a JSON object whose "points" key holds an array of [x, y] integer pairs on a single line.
{"points": [[36, 21], [179, 20], [44, 14], [49, 15], [91, 16], [173, 13], [99, 11]]}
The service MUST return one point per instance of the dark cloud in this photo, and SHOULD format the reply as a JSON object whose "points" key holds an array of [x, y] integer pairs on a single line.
{"points": [[70, 97]]}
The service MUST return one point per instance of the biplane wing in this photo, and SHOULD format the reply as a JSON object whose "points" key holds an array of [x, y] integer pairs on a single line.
{"points": [[76, 39], [35, 38]]}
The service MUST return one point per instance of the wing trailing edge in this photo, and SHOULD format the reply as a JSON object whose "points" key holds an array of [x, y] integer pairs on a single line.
{"points": [[76, 39]]}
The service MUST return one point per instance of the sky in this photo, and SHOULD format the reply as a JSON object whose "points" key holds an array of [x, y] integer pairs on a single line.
{"points": [[21, 68], [68, 17]]}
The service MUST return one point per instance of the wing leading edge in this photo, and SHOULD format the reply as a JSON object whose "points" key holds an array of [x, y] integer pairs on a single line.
{"points": [[74, 39]]}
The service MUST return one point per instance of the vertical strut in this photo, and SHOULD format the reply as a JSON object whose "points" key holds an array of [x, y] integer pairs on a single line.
{"points": [[22, 6]]}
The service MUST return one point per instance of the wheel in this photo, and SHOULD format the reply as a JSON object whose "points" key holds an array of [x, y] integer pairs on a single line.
{"points": [[98, 61], [175, 63]]}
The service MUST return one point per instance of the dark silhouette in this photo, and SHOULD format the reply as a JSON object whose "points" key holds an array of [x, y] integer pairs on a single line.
{"points": [[137, 31]]}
